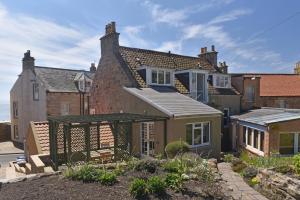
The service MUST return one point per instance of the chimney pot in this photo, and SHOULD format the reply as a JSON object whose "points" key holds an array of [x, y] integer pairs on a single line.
{"points": [[110, 28], [205, 49], [93, 67], [212, 47]]}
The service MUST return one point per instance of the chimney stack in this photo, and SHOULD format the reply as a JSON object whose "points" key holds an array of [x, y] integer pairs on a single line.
{"points": [[110, 41], [297, 68], [209, 56], [223, 67], [93, 67], [27, 61]]}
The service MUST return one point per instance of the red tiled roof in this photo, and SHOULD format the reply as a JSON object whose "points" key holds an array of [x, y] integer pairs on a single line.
{"points": [[42, 133], [280, 85]]}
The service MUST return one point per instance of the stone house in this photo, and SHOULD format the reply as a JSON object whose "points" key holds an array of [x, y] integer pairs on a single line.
{"points": [[43, 91], [141, 81], [268, 90], [267, 131]]}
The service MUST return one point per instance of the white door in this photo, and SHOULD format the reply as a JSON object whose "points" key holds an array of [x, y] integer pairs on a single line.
{"points": [[147, 138]]}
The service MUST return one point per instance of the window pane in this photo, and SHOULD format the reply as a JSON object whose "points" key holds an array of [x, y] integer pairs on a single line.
{"points": [[197, 136], [198, 125], [262, 140], [154, 76], [161, 77], [244, 134], [189, 129], [168, 77], [286, 143], [250, 136], [255, 139], [226, 83], [206, 133]]}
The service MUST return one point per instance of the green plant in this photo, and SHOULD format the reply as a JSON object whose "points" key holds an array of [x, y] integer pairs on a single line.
{"points": [[296, 162], [132, 162], [254, 181], [284, 169], [228, 158], [174, 148], [156, 185], [138, 188], [149, 165], [204, 172], [174, 181], [87, 173], [108, 178], [249, 172], [237, 164], [172, 166]]}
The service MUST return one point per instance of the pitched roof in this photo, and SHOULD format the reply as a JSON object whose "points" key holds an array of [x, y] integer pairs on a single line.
{"points": [[41, 130], [279, 85], [171, 102], [59, 80], [135, 58], [265, 116]]}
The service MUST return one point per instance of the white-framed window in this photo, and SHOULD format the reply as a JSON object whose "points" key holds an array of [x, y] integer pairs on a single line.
{"points": [[198, 134], [160, 77], [35, 91], [15, 109], [221, 81], [64, 109], [254, 139]]}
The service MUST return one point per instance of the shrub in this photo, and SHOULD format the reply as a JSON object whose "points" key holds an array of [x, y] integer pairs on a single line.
{"points": [[132, 162], [148, 165], [156, 185], [108, 178], [284, 169], [254, 181], [138, 188], [228, 158], [174, 181], [296, 162], [172, 166], [204, 172], [174, 148], [237, 164], [250, 172], [87, 173]]}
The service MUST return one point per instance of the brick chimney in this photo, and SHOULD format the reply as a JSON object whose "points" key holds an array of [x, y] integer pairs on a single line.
{"points": [[27, 61], [93, 67], [223, 67], [110, 41], [297, 68], [210, 56]]}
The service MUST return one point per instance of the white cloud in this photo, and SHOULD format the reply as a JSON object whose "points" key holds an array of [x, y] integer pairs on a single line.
{"points": [[173, 46], [233, 15], [131, 37], [51, 44]]}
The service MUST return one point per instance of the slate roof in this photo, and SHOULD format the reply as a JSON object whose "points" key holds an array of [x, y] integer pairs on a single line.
{"points": [[172, 103], [59, 80], [135, 57], [42, 132], [265, 116]]}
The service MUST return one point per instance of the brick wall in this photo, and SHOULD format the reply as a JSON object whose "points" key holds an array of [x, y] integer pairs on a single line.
{"points": [[289, 102]]}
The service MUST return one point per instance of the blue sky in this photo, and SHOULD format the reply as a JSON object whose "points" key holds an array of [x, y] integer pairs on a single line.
{"points": [[251, 36]]}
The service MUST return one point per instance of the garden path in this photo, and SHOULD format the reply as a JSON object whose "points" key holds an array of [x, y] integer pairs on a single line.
{"points": [[236, 185]]}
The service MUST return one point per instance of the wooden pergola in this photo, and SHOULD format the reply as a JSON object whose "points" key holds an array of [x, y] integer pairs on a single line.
{"points": [[80, 135]]}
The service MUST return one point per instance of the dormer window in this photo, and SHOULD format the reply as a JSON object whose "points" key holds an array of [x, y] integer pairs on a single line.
{"points": [[221, 81], [81, 85], [160, 77]]}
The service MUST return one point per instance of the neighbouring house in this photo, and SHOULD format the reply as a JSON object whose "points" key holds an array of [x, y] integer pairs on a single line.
{"points": [[5, 128], [40, 92], [267, 90], [267, 131], [142, 81]]}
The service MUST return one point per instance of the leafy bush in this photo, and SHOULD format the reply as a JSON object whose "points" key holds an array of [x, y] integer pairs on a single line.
{"points": [[132, 162], [156, 185], [228, 158], [174, 148], [108, 178], [149, 165], [87, 173], [254, 181], [172, 166], [296, 162], [138, 188], [250, 172], [174, 181]]}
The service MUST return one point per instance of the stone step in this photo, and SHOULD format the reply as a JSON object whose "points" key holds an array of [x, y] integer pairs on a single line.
{"points": [[10, 173], [48, 169], [28, 168]]}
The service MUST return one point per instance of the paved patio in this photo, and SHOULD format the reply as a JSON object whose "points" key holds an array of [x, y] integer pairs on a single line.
{"points": [[9, 148], [237, 186]]}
